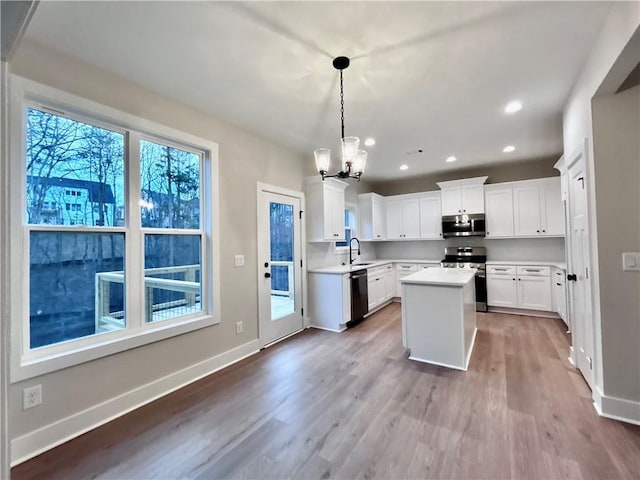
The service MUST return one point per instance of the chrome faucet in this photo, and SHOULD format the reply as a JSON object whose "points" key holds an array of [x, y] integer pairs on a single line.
{"points": [[351, 249]]}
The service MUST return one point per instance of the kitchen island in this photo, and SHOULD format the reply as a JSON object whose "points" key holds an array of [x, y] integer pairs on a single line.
{"points": [[439, 316]]}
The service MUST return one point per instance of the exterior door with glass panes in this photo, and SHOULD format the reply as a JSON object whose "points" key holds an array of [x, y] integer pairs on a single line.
{"points": [[279, 265]]}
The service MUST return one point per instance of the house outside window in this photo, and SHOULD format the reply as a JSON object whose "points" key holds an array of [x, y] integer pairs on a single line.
{"points": [[118, 229]]}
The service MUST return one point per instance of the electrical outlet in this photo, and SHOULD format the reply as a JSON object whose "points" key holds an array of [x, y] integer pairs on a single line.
{"points": [[31, 397], [239, 328], [239, 260]]}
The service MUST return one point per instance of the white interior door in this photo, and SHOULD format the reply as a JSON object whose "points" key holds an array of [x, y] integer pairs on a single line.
{"points": [[279, 264], [579, 254]]}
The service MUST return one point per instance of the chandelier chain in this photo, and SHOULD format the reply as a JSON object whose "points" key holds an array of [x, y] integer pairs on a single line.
{"points": [[341, 106]]}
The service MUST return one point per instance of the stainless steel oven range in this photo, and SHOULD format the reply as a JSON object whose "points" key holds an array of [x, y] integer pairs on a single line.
{"points": [[470, 257]]}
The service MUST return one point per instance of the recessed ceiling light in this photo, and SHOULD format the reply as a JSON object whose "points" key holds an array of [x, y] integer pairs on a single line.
{"points": [[513, 106], [370, 142], [509, 149], [451, 159], [404, 167]]}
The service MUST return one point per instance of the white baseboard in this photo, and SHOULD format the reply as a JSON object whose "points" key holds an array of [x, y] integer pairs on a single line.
{"points": [[616, 408], [521, 311], [54, 434], [328, 329]]}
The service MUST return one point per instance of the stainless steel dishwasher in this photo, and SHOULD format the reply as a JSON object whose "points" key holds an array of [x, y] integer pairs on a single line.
{"points": [[359, 296]]}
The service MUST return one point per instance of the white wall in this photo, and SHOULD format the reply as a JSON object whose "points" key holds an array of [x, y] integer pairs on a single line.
{"points": [[616, 141], [619, 29], [244, 160]]}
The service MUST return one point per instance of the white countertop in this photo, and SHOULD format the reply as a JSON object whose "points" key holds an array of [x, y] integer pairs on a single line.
{"points": [[340, 269], [441, 276], [560, 265]]}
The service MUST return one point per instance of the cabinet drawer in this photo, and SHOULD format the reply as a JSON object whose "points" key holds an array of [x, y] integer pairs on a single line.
{"points": [[534, 271], [407, 267], [501, 269], [373, 272]]}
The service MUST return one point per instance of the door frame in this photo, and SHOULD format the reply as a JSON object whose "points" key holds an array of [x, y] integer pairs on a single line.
{"points": [[265, 187], [580, 155]]}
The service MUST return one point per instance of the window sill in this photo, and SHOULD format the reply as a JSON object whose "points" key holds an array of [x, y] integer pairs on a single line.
{"points": [[105, 345]]}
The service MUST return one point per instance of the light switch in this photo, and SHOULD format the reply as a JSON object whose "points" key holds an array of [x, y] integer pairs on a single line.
{"points": [[631, 261], [239, 260]]}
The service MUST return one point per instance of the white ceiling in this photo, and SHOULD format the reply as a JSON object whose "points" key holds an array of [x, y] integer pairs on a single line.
{"points": [[431, 76]]}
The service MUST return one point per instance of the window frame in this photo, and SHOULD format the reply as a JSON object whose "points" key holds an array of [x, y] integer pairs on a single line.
{"points": [[353, 208], [27, 362]]}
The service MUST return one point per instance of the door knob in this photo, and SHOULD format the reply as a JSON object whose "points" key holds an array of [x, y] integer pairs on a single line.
{"points": [[267, 275], [572, 277]]}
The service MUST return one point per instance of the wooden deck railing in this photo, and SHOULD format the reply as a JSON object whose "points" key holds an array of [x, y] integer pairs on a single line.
{"points": [[108, 320], [290, 280]]}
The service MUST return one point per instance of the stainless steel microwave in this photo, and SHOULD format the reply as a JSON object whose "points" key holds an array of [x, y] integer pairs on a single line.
{"points": [[463, 225]]}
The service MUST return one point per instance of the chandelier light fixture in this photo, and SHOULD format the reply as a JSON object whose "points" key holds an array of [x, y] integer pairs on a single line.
{"points": [[353, 159]]}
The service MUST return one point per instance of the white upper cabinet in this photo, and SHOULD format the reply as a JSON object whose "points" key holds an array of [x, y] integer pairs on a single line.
{"points": [[325, 209], [430, 216], [498, 203], [463, 196], [473, 199], [538, 209], [403, 217], [372, 217], [553, 210], [526, 203]]}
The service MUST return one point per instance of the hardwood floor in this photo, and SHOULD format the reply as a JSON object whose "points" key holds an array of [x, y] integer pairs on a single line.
{"points": [[351, 405]]}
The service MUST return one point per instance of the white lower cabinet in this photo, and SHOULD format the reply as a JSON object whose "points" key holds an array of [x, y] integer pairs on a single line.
{"points": [[389, 282], [402, 270], [502, 288], [519, 286], [534, 293], [559, 293], [329, 315], [380, 285]]}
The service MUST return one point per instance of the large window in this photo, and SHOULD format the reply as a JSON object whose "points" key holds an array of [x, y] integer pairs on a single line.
{"points": [[116, 229]]}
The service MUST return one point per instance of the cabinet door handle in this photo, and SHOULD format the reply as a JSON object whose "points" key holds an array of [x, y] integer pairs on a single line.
{"points": [[544, 231], [514, 279], [538, 231], [519, 279], [558, 284]]}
